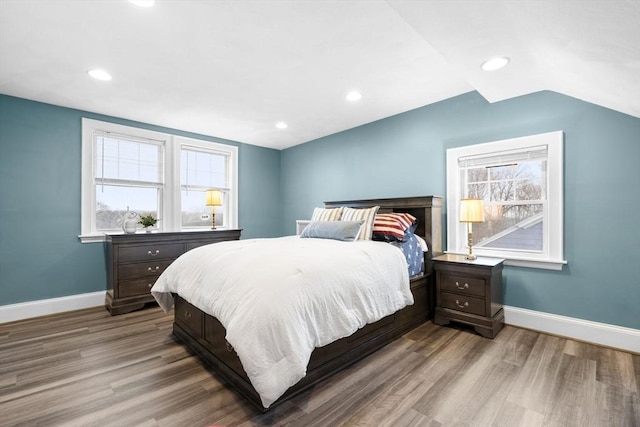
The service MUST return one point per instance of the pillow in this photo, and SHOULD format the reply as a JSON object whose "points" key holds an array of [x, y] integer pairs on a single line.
{"points": [[366, 215], [346, 231], [391, 227], [413, 253], [322, 214]]}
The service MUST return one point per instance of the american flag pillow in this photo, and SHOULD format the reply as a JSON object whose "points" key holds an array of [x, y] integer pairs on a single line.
{"points": [[392, 226]]}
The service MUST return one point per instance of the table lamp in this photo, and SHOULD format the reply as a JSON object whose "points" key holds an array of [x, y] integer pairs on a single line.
{"points": [[471, 210], [213, 199]]}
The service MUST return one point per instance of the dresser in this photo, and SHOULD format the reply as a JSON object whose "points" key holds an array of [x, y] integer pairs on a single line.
{"points": [[134, 262], [469, 292]]}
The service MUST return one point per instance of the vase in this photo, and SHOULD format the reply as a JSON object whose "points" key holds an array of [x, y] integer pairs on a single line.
{"points": [[129, 222]]}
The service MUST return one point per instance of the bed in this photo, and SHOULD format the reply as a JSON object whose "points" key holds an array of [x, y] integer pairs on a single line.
{"points": [[205, 335]]}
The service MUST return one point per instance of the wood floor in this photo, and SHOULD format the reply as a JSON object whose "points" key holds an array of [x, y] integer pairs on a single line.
{"points": [[86, 368]]}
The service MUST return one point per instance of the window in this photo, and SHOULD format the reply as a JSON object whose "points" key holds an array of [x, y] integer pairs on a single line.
{"points": [[520, 182], [153, 173], [202, 169]]}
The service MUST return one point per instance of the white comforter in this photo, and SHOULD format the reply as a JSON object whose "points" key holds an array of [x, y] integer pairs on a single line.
{"points": [[280, 298]]}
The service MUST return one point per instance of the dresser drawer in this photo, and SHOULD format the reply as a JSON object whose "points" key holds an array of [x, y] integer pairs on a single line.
{"points": [[150, 251], [463, 303], [462, 285], [141, 270], [132, 288], [189, 317]]}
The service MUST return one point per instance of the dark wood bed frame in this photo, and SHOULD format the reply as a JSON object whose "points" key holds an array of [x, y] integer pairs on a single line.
{"points": [[205, 335]]}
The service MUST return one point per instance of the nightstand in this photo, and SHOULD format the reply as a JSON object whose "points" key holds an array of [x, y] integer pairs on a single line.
{"points": [[469, 292]]}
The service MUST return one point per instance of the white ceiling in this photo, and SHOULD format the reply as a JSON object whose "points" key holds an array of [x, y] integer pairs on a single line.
{"points": [[232, 69]]}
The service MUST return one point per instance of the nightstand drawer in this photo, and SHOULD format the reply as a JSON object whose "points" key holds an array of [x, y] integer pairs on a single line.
{"points": [[143, 269], [150, 252], [132, 288], [463, 303], [189, 317], [462, 285]]}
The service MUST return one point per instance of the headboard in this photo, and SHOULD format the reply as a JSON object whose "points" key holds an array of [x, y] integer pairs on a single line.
{"points": [[426, 209]]}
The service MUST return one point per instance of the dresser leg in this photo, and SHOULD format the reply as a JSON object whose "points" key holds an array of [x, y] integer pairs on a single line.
{"points": [[485, 332], [492, 331]]}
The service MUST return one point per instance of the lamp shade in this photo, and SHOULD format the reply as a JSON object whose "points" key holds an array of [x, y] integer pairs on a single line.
{"points": [[471, 210], [214, 198]]}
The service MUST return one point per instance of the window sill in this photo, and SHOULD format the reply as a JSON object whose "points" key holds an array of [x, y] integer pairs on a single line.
{"points": [[102, 237], [92, 238], [544, 264]]}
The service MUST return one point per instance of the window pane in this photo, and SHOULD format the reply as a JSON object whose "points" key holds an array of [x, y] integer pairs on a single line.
{"points": [[127, 160], [195, 213], [511, 227], [502, 191], [202, 169], [531, 183], [112, 202], [478, 191], [477, 174], [508, 225]]}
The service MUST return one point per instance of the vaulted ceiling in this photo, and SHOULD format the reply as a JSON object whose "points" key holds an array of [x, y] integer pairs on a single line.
{"points": [[233, 69]]}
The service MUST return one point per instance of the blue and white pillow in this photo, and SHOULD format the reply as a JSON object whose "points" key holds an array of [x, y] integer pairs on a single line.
{"points": [[413, 252]]}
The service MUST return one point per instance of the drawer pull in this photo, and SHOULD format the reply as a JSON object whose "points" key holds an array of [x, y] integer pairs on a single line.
{"points": [[150, 285], [187, 315], [229, 346], [466, 286], [156, 270], [465, 305], [154, 253]]}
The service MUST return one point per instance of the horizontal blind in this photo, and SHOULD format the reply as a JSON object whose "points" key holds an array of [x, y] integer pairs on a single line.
{"points": [[128, 160], [203, 169], [504, 157]]}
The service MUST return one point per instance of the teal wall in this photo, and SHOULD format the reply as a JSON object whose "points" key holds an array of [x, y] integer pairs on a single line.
{"points": [[40, 148], [404, 155]]}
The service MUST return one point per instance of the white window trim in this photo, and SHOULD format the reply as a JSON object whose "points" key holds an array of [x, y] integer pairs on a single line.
{"points": [[230, 208], [170, 209], [552, 258]]}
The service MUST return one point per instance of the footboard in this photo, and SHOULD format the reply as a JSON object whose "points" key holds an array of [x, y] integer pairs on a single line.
{"points": [[205, 335]]}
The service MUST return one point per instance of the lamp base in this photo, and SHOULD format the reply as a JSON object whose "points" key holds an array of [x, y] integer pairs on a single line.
{"points": [[470, 256]]}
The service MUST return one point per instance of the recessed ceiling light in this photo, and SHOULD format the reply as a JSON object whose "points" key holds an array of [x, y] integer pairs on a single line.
{"points": [[354, 96], [495, 63], [281, 125], [143, 3], [100, 75]]}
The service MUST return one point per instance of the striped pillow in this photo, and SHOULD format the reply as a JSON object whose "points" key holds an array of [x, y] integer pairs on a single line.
{"points": [[322, 214], [367, 215], [392, 226]]}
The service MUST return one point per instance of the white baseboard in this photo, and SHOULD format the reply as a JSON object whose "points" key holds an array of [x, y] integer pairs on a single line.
{"points": [[627, 339], [26, 310]]}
